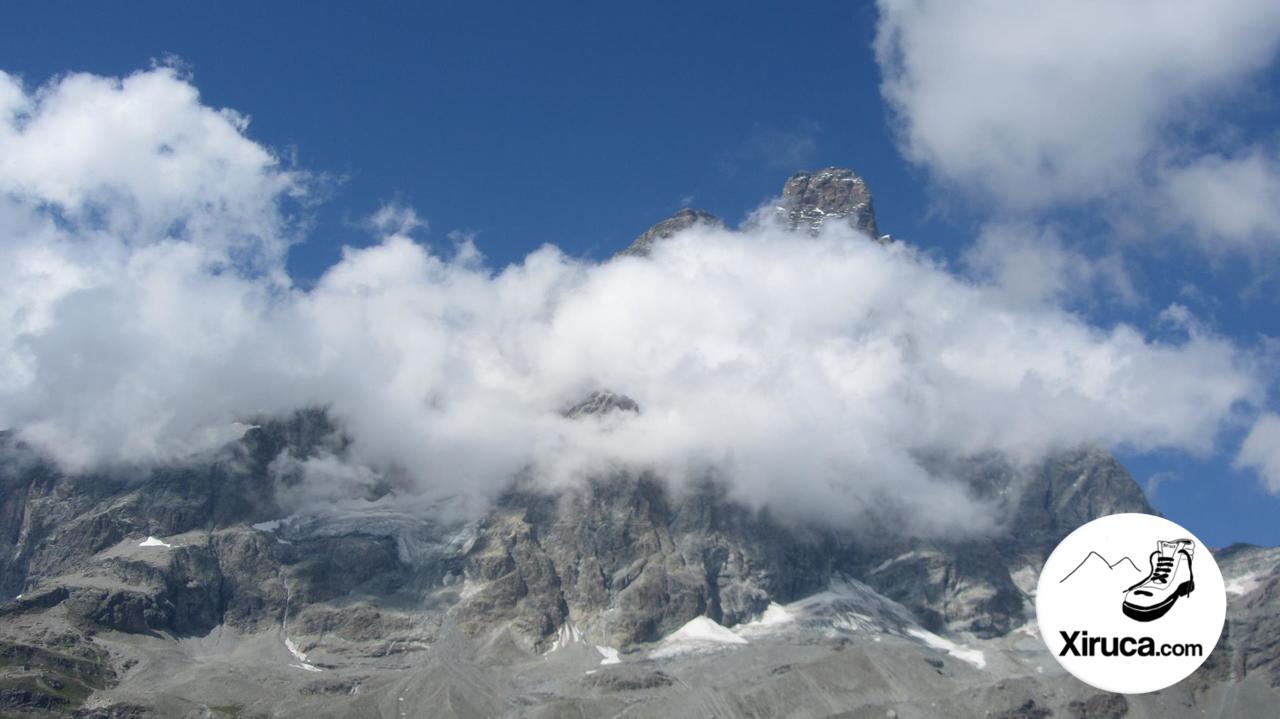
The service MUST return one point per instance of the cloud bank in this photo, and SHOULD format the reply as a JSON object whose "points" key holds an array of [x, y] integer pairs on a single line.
{"points": [[1037, 105], [146, 308]]}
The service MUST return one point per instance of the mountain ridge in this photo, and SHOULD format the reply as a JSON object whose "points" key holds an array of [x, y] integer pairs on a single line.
{"points": [[246, 605]]}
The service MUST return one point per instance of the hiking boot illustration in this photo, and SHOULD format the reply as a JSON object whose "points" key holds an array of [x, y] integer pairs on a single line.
{"points": [[1169, 579]]}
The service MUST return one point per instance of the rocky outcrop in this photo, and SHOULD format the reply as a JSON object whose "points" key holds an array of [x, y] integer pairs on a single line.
{"points": [[982, 584], [601, 403], [682, 220], [638, 560], [811, 199]]}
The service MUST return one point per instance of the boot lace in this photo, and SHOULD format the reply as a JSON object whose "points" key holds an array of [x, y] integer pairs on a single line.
{"points": [[1164, 565]]}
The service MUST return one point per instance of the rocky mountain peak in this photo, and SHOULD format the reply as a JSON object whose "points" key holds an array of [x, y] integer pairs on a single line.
{"points": [[602, 402], [810, 199], [683, 219]]}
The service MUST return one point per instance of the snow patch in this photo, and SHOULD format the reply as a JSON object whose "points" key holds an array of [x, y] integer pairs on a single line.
{"points": [[153, 542], [972, 656], [700, 633], [1026, 578], [241, 429], [470, 589], [890, 562], [270, 526], [568, 634], [1244, 583], [610, 655], [846, 606], [774, 615], [300, 655], [294, 650]]}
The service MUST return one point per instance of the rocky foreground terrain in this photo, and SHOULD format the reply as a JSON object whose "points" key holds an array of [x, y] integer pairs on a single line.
{"points": [[190, 591]]}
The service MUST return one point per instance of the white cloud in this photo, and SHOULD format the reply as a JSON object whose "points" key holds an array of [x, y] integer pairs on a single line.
{"points": [[142, 160], [1158, 480], [1229, 203], [1261, 451], [395, 218], [1033, 264], [1040, 104], [807, 371]]}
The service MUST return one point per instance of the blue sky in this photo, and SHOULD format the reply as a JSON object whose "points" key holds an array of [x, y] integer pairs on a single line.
{"points": [[580, 125]]}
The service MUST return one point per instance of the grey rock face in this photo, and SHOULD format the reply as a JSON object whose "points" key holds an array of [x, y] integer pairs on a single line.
{"points": [[1069, 489], [600, 403], [682, 220], [390, 602], [810, 199], [638, 561], [1250, 645], [974, 585], [1100, 706], [625, 560]]}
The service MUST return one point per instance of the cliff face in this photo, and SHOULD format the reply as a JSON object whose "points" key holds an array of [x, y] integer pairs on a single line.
{"points": [[810, 199], [192, 590]]}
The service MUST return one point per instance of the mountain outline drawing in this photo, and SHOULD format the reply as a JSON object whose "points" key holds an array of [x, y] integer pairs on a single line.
{"points": [[1109, 565]]}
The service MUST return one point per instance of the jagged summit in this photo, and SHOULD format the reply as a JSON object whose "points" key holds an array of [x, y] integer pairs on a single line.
{"points": [[683, 219], [602, 402], [810, 199]]}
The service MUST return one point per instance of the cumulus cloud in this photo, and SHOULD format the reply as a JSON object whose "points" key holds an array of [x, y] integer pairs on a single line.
{"points": [[1041, 101], [1037, 105], [147, 309], [1261, 451], [1227, 202], [1033, 264], [393, 218]]}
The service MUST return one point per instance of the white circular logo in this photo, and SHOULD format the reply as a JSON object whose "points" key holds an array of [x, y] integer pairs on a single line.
{"points": [[1131, 603]]}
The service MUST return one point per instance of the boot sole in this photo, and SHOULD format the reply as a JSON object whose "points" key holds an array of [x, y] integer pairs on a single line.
{"points": [[1152, 613]]}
